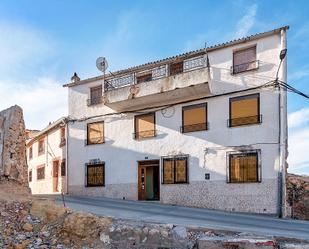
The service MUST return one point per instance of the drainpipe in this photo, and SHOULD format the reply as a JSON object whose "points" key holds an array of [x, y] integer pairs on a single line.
{"points": [[283, 130], [67, 157]]}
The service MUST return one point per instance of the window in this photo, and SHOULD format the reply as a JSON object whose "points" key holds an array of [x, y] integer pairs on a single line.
{"points": [[245, 110], [30, 153], [95, 175], [95, 95], [95, 133], [62, 167], [144, 78], [41, 147], [40, 173], [144, 126], [176, 68], [194, 118], [244, 60], [30, 176], [62, 137], [175, 170], [243, 167]]}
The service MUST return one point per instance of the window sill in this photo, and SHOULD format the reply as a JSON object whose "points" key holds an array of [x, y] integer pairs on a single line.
{"points": [[182, 183], [93, 186], [243, 182]]}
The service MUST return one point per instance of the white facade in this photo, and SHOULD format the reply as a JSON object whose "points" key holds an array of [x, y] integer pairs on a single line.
{"points": [[207, 150], [52, 159]]}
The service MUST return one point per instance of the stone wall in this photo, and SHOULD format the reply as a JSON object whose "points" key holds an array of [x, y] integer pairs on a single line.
{"points": [[13, 164]]}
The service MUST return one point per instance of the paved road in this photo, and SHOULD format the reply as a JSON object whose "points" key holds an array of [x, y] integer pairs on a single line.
{"points": [[192, 217]]}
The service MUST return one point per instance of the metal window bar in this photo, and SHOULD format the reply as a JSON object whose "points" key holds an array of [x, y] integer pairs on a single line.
{"points": [[95, 140], [194, 127], [96, 175], [234, 122], [95, 101], [144, 134], [235, 69]]}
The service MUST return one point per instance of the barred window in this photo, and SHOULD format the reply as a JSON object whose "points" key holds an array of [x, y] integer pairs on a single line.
{"points": [[95, 133], [144, 126], [95, 175], [244, 167], [175, 170], [96, 95], [30, 176], [245, 110], [63, 168], [194, 118], [41, 147], [40, 173]]}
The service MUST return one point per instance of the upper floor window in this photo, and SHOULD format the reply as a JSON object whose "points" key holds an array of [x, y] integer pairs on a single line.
{"points": [[30, 176], [244, 60], [62, 137], [41, 147], [143, 78], [95, 133], [63, 171], [176, 68], [244, 167], [30, 153], [245, 110], [40, 172], [95, 95], [95, 175], [144, 126], [175, 170], [194, 118]]}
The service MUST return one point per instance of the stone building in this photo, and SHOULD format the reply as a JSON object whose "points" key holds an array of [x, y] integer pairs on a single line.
{"points": [[207, 128], [13, 164], [46, 155]]}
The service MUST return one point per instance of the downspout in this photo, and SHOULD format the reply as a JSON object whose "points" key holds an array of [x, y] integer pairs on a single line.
{"points": [[67, 157]]}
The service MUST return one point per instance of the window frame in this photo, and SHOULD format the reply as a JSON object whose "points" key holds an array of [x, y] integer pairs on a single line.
{"points": [[87, 133], [135, 126], [37, 172], [174, 159], [233, 72], [95, 101], [63, 168], [259, 119], [193, 107], [42, 140], [229, 156], [86, 174]]}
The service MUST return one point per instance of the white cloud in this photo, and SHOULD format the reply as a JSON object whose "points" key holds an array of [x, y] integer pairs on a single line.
{"points": [[42, 102], [299, 118], [299, 74], [245, 24]]}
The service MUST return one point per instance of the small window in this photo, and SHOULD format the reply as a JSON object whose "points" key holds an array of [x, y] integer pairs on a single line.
{"points": [[30, 176], [41, 147], [194, 118], [62, 167], [144, 78], [95, 175], [95, 133], [40, 172], [95, 95], [245, 110], [243, 167], [244, 60], [144, 126], [176, 68], [30, 153], [62, 137], [175, 170]]}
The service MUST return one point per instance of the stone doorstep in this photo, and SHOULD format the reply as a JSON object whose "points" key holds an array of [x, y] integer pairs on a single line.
{"points": [[236, 243]]}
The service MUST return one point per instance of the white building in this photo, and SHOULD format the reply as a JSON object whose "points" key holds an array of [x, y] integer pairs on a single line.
{"points": [[184, 131], [46, 156]]}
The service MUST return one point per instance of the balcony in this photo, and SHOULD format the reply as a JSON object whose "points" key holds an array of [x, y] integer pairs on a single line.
{"points": [[165, 84]]}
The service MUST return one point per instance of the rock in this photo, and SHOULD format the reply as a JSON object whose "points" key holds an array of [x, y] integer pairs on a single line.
{"points": [[180, 232], [104, 238], [27, 227]]}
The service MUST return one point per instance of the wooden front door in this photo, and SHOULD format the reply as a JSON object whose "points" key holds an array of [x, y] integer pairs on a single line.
{"points": [[55, 175], [148, 180]]}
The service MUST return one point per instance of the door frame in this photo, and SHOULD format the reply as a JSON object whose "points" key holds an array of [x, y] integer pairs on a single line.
{"points": [[144, 164], [55, 175]]}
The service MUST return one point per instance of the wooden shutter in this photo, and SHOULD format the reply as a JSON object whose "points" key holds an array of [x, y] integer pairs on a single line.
{"points": [[168, 170], [194, 118], [235, 169], [96, 94], [145, 125], [181, 170], [95, 133], [250, 167], [244, 168], [243, 60]]}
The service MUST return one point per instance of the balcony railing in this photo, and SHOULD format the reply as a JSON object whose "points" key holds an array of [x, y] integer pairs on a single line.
{"points": [[95, 101], [156, 73], [257, 119], [144, 134], [235, 69], [194, 127]]}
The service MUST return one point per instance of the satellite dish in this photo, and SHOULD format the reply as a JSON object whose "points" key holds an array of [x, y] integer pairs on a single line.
{"points": [[102, 64]]}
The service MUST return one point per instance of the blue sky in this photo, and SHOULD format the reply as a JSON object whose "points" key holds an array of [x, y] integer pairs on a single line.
{"points": [[42, 43]]}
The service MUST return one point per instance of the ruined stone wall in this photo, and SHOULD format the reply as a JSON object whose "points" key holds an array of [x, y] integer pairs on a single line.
{"points": [[13, 164]]}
